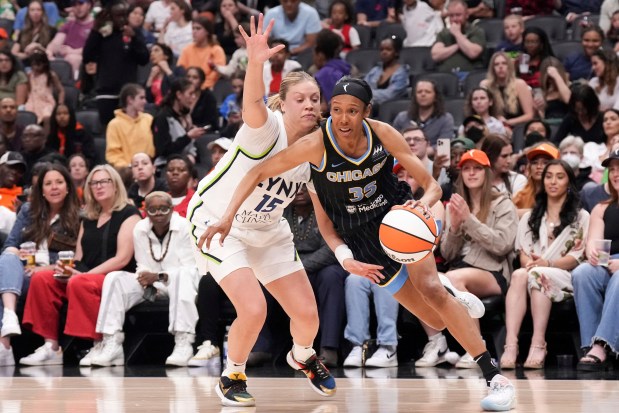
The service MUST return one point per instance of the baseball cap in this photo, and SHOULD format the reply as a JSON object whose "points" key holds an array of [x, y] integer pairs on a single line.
{"points": [[3, 34], [545, 149], [223, 143], [613, 155], [473, 118], [466, 142], [12, 158], [474, 155]]}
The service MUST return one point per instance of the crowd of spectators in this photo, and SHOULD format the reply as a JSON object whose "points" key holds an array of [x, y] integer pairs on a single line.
{"points": [[529, 187]]}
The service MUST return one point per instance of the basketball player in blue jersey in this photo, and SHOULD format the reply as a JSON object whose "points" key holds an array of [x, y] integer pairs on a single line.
{"points": [[260, 247], [352, 189]]}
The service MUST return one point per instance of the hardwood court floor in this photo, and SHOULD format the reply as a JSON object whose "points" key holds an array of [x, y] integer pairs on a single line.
{"points": [[108, 391]]}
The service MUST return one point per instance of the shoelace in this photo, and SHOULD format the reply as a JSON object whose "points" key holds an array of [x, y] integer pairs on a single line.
{"points": [[318, 368], [238, 386]]}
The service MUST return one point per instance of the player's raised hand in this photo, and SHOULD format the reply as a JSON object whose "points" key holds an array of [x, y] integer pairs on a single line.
{"points": [[369, 271], [221, 227], [257, 45]]}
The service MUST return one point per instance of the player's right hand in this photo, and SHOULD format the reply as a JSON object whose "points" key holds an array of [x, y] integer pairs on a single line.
{"points": [[257, 42], [221, 227], [369, 271]]}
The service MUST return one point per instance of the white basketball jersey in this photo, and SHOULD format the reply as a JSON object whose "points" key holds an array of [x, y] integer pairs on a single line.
{"points": [[265, 206]]}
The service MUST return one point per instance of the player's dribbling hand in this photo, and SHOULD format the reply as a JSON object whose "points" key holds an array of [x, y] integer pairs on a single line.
{"points": [[369, 271], [221, 227], [417, 203]]}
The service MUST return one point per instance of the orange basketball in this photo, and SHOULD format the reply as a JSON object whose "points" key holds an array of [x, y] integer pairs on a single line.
{"points": [[407, 235]]}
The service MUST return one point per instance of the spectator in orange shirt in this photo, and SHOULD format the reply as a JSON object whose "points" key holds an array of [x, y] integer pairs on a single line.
{"points": [[204, 52], [12, 168]]}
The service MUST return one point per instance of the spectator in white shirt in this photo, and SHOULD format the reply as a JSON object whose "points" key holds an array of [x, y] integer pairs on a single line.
{"points": [[421, 22], [157, 15]]}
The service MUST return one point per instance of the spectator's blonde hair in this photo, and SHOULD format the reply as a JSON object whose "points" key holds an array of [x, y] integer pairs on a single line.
{"points": [[511, 103], [518, 18], [92, 209], [158, 194]]}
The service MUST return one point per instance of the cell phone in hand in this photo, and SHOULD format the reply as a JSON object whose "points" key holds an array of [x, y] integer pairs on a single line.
{"points": [[206, 127], [443, 148]]}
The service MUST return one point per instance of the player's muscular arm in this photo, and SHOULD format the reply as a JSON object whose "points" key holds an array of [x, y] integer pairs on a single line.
{"points": [[396, 145]]}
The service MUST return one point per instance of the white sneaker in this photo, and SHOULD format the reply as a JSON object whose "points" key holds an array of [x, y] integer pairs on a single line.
{"points": [[6, 356], [109, 352], [385, 356], [470, 301], [466, 362], [43, 356], [207, 354], [501, 395], [10, 324], [183, 350], [354, 358], [436, 352]]}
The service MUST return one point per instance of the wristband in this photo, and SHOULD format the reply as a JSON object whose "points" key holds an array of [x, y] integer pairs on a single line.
{"points": [[342, 252]]}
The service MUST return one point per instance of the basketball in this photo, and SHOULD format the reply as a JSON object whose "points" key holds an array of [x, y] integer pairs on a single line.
{"points": [[407, 235]]}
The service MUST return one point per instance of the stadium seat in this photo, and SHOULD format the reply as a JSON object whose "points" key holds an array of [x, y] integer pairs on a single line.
{"points": [[447, 83], [473, 80], [7, 25], [25, 118], [493, 29], [90, 120], [385, 30], [221, 89], [64, 71], [365, 36], [418, 58], [71, 97], [579, 24], [554, 26], [363, 59], [305, 58], [456, 108], [388, 110], [566, 48]]}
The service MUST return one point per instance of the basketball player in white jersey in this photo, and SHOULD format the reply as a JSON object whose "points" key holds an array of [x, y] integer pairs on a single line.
{"points": [[260, 246]]}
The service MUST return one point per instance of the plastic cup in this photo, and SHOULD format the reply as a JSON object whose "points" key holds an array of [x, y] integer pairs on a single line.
{"points": [[523, 63], [29, 249], [66, 258], [603, 248]]}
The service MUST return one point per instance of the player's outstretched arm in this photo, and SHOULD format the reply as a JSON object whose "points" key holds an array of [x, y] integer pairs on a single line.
{"points": [[258, 52], [334, 241], [306, 149]]}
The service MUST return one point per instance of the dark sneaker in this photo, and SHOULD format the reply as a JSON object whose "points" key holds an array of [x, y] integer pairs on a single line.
{"points": [[232, 390], [318, 375]]}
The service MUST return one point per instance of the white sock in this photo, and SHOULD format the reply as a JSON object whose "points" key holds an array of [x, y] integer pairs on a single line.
{"points": [[233, 367], [435, 336], [302, 353]]}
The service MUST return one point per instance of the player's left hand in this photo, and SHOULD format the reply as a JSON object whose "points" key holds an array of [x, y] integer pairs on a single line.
{"points": [[417, 203], [369, 271]]}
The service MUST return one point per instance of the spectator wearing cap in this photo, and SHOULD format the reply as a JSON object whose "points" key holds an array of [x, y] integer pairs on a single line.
{"points": [[389, 79], [459, 49], [474, 128], [450, 174], [572, 150], [71, 37], [479, 235], [538, 157], [9, 128], [499, 151], [33, 147], [218, 149], [12, 169], [297, 23]]}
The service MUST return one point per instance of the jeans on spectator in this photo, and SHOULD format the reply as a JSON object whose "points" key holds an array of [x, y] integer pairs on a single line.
{"points": [[328, 286], [13, 278], [596, 294], [358, 290]]}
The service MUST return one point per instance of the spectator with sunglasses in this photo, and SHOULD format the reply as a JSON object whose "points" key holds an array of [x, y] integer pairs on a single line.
{"points": [[165, 268]]}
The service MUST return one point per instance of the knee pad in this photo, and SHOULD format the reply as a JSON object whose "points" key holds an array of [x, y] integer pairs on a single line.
{"points": [[397, 281]]}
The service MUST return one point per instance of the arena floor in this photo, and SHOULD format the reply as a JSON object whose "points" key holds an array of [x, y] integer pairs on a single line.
{"points": [[150, 389]]}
